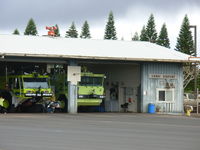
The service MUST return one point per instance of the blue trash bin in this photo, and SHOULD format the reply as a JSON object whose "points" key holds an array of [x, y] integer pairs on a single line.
{"points": [[151, 108]]}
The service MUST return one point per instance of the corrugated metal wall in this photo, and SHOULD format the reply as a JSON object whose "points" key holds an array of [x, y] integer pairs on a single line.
{"points": [[149, 85]]}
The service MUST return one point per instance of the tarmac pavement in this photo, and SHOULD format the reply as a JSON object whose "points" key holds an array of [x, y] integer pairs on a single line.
{"points": [[99, 131]]}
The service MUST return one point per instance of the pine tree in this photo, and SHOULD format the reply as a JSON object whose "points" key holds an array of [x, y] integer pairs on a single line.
{"points": [[110, 31], [16, 32], [135, 37], [57, 31], [72, 32], [31, 28], [85, 33], [163, 39], [143, 36], [151, 30], [185, 41]]}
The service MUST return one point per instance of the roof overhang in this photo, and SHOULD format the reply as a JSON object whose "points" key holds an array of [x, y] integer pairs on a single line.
{"points": [[66, 48], [57, 57]]}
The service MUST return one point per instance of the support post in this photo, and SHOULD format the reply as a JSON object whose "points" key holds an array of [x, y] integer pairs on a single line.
{"points": [[197, 100], [72, 98], [73, 78], [6, 70], [195, 53], [195, 46]]}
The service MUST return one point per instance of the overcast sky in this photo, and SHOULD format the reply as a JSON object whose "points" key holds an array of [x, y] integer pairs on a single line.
{"points": [[130, 15]]}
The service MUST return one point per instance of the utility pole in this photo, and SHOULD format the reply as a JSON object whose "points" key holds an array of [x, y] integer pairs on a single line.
{"points": [[195, 53]]}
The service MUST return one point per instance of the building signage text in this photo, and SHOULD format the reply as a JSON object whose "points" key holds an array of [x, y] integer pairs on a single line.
{"points": [[162, 76]]}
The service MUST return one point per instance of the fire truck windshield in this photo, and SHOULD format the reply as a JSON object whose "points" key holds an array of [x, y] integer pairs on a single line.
{"points": [[35, 83], [91, 81]]}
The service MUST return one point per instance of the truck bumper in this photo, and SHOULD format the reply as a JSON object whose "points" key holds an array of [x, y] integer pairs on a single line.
{"points": [[89, 102]]}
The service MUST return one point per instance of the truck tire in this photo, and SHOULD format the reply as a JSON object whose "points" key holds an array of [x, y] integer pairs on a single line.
{"points": [[7, 96], [12, 109]]}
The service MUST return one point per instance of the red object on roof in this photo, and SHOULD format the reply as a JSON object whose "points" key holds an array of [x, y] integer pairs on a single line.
{"points": [[51, 31]]}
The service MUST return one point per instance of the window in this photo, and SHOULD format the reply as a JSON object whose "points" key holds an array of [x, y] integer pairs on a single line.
{"points": [[35, 83], [21, 83], [161, 96], [191, 96], [91, 81], [16, 83], [165, 95], [10, 83]]}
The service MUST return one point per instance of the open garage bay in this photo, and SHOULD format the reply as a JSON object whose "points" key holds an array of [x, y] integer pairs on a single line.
{"points": [[105, 131]]}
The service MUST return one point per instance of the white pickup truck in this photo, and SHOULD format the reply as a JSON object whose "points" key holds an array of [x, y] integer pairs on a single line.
{"points": [[189, 99]]}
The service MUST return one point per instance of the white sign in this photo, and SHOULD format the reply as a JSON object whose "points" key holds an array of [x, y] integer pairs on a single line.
{"points": [[74, 74], [162, 76]]}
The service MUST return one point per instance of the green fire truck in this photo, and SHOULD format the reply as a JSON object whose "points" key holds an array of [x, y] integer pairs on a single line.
{"points": [[25, 91], [90, 89]]}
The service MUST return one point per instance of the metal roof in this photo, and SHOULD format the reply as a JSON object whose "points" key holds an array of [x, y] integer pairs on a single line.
{"points": [[59, 47]]}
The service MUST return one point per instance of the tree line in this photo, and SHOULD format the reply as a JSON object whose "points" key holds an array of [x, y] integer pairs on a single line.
{"points": [[184, 43]]}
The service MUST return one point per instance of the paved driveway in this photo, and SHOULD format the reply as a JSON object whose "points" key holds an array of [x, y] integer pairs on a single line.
{"points": [[92, 131]]}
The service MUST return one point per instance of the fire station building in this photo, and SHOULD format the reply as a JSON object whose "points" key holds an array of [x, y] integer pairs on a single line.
{"points": [[138, 72]]}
